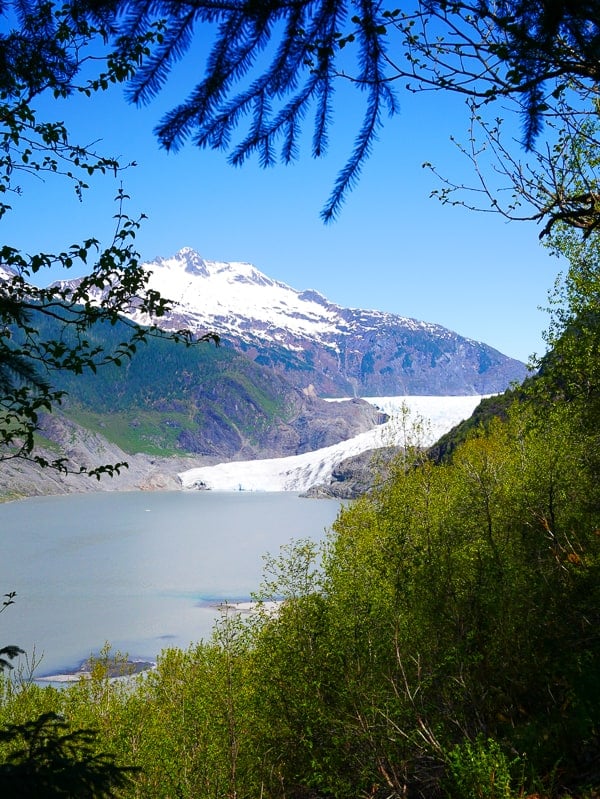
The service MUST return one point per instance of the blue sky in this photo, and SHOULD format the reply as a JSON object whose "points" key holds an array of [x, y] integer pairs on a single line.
{"points": [[392, 248]]}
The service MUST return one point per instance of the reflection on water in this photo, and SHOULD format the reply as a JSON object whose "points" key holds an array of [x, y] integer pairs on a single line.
{"points": [[139, 570]]}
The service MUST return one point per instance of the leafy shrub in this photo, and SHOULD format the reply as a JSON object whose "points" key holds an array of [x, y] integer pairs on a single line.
{"points": [[480, 770]]}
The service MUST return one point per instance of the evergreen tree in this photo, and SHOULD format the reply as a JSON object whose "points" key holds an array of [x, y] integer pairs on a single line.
{"points": [[273, 64]]}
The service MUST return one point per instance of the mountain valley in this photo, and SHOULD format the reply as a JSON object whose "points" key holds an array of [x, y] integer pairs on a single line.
{"points": [[260, 395]]}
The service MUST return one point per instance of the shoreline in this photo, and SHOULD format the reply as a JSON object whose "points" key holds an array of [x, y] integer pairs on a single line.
{"points": [[128, 668]]}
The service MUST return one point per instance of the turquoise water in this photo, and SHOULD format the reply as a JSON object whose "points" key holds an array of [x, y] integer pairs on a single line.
{"points": [[140, 571]]}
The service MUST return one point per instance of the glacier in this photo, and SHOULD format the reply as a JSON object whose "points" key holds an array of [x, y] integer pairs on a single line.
{"points": [[413, 421]]}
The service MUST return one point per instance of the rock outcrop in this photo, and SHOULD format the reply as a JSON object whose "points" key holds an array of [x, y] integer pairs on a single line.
{"points": [[357, 475]]}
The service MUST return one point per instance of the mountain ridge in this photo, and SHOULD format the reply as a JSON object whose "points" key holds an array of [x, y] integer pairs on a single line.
{"points": [[315, 343]]}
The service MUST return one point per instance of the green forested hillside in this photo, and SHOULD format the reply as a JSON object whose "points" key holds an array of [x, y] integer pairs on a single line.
{"points": [[201, 400], [163, 400], [172, 399]]}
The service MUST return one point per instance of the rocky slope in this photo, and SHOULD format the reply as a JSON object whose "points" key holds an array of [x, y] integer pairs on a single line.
{"points": [[20, 478], [307, 423], [357, 475], [210, 402]]}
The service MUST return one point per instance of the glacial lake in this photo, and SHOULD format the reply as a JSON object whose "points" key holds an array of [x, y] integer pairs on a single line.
{"points": [[141, 570]]}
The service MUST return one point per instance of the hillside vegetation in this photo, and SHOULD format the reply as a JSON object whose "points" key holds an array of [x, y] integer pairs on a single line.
{"points": [[170, 408], [172, 399]]}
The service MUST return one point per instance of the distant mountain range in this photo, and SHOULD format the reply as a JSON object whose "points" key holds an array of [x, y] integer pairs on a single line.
{"points": [[340, 352]]}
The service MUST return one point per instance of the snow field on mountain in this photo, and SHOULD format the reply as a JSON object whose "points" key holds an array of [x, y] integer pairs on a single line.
{"points": [[416, 421], [229, 293]]}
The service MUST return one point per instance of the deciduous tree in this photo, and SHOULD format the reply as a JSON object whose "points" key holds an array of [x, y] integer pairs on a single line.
{"points": [[53, 50]]}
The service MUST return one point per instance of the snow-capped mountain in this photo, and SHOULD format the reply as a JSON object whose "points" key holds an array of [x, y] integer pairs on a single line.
{"points": [[239, 301], [339, 351]]}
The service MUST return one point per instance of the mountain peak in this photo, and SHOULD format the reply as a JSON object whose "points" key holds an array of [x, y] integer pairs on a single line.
{"points": [[192, 262], [187, 259], [234, 296]]}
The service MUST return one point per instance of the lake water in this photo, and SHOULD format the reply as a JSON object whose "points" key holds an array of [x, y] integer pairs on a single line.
{"points": [[141, 571]]}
